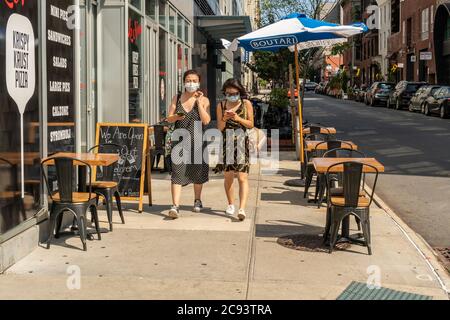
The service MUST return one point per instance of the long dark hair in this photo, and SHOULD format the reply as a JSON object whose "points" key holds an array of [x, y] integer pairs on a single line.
{"points": [[235, 84]]}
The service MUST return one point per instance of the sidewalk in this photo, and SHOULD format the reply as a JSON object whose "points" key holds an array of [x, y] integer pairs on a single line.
{"points": [[210, 256]]}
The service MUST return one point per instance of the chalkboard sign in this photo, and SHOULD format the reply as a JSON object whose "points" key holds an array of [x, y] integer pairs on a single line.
{"points": [[129, 171]]}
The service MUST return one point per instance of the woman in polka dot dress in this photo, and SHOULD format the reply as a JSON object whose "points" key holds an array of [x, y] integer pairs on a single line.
{"points": [[190, 112]]}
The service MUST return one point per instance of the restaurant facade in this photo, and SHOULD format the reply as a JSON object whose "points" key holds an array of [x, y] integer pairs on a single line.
{"points": [[81, 62]]}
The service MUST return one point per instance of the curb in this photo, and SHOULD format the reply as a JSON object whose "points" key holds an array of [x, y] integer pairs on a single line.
{"points": [[423, 248]]}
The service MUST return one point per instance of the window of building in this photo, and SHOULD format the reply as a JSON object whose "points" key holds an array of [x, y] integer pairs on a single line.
{"points": [[136, 3], [163, 13], [395, 16], [432, 15], [187, 32], [425, 23], [180, 27], [403, 32], [150, 8], [172, 20]]}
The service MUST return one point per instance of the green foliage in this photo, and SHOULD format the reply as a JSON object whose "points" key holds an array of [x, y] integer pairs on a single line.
{"points": [[273, 10], [279, 98], [272, 66], [340, 48]]}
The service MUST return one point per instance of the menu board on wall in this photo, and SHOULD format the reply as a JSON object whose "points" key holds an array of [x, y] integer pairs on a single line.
{"points": [[60, 77]]}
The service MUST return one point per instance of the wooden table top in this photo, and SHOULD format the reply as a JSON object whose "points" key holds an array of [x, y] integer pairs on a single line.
{"points": [[322, 164], [329, 130], [97, 159], [311, 145], [15, 157]]}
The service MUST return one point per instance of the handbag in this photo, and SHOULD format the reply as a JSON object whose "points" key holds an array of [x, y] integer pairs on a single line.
{"points": [[256, 137], [168, 142]]}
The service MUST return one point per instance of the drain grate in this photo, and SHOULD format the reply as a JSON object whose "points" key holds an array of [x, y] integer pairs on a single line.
{"points": [[360, 291], [444, 257]]}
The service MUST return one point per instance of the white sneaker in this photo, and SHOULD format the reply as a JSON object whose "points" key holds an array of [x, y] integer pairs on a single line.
{"points": [[231, 210], [242, 215], [174, 212]]}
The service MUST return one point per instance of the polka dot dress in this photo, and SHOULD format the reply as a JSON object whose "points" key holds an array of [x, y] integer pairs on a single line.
{"points": [[195, 171]]}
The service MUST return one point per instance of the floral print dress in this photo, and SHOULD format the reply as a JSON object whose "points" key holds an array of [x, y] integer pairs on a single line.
{"points": [[239, 149]]}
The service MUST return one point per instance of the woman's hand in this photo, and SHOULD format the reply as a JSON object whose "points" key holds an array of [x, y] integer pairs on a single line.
{"points": [[176, 118]]}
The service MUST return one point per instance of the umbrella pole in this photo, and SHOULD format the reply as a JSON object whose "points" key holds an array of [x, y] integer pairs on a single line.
{"points": [[300, 106]]}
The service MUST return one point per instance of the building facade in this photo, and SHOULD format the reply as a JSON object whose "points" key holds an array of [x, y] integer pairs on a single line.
{"points": [[411, 45], [85, 62]]}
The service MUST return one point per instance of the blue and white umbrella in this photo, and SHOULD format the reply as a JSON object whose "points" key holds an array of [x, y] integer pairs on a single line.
{"points": [[296, 32], [297, 29]]}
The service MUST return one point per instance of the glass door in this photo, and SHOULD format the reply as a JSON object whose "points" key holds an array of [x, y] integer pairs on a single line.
{"points": [[151, 110], [88, 57], [172, 67]]}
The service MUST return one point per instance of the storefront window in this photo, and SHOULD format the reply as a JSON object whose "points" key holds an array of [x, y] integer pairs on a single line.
{"points": [[162, 13], [172, 20], [150, 8], [187, 32], [135, 67], [162, 73], [180, 27], [136, 3], [15, 207]]}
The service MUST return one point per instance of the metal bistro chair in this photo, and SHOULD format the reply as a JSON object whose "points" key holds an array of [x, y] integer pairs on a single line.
{"points": [[321, 184], [354, 201], [308, 166], [108, 188], [159, 149], [336, 189], [66, 199]]}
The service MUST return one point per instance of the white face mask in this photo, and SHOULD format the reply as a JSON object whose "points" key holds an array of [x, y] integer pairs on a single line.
{"points": [[192, 87]]}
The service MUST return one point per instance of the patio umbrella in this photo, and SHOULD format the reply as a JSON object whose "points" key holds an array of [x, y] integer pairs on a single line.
{"points": [[297, 32]]}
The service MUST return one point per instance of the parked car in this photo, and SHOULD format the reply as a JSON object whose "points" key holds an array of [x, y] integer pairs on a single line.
{"points": [[438, 103], [311, 86], [403, 93], [417, 101], [379, 93]]}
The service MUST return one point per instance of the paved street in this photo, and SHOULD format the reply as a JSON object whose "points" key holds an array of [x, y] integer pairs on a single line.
{"points": [[415, 150]]}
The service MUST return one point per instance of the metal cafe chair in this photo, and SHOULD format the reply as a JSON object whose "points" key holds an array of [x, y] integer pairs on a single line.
{"points": [[159, 149], [353, 202], [108, 188], [306, 166], [336, 189], [66, 199], [310, 171], [329, 145]]}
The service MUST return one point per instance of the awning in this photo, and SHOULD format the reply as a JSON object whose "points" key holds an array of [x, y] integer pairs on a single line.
{"points": [[225, 27]]}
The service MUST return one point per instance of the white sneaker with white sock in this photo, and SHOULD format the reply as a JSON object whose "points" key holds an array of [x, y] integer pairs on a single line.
{"points": [[230, 210]]}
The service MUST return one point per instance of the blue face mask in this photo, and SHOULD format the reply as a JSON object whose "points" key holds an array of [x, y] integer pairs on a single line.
{"points": [[234, 99]]}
